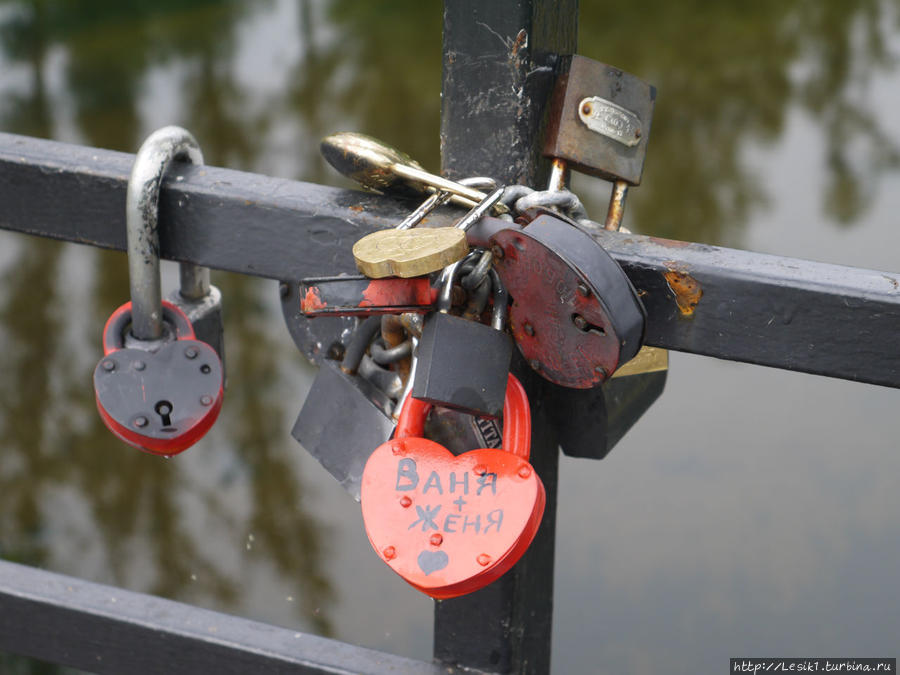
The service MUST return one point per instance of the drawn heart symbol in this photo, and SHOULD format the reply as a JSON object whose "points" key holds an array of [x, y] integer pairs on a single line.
{"points": [[432, 561], [447, 524]]}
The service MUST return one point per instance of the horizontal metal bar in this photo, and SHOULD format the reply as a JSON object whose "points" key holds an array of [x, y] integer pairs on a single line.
{"points": [[773, 311], [219, 218], [737, 305], [103, 629]]}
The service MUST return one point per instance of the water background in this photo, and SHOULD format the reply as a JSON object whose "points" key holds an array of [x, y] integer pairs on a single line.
{"points": [[751, 512]]}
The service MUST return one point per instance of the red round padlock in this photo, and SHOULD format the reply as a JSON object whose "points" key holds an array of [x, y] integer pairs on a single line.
{"points": [[450, 525]]}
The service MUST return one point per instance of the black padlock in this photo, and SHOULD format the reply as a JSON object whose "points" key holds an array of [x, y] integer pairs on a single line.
{"points": [[463, 364], [345, 416]]}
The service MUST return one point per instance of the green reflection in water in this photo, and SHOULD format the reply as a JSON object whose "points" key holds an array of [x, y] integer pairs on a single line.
{"points": [[729, 76]]}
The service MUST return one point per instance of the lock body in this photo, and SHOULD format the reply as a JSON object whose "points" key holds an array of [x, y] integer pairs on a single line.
{"points": [[343, 418], [462, 365], [450, 525], [600, 120], [160, 397], [575, 315]]}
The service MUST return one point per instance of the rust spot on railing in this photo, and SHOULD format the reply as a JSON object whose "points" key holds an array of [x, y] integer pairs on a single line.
{"points": [[685, 288]]}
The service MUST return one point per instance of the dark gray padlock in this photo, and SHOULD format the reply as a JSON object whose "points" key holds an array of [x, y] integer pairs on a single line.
{"points": [[345, 417], [464, 365]]}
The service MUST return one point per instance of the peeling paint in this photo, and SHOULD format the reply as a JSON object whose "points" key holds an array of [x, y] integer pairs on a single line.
{"points": [[312, 301], [685, 288], [670, 243]]}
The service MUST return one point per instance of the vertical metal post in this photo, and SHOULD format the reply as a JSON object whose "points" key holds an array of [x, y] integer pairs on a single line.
{"points": [[498, 68]]}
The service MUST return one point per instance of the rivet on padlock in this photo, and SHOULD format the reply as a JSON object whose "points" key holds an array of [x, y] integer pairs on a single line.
{"points": [[463, 364], [157, 387], [450, 525]]}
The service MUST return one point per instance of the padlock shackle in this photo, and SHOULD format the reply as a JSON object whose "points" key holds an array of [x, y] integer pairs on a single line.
{"points": [[480, 210], [445, 297], [516, 419], [142, 222], [501, 301], [441, 197]]}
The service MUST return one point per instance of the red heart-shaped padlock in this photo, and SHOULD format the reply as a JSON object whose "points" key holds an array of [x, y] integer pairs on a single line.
{"points": [[161, 400], [447, 524]]}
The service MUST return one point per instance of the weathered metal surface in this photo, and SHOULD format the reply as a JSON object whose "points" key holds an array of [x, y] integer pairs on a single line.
{"points": [[103, 629], [229, 220], [763, 309], [499, 59], [575, 316], [794, 314], [600, 120], [362, 296]]}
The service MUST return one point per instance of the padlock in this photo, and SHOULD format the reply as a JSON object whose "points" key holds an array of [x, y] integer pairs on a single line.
{"points": [[416, 252], [463, 364], [600, 125], [345, 415], [450, 525], [157, 387], [378, 166], [608, 411], [575, 315]]}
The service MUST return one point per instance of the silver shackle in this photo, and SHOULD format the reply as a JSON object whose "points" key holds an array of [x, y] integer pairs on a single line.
{"points": [[152, 161]]}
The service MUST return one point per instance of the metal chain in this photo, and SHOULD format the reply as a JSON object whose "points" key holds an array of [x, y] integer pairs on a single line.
{"points": [[520, 198]]}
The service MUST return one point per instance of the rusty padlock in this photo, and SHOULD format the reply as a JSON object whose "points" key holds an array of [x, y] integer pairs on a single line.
{"points": [[450, 525], [575, 315]]}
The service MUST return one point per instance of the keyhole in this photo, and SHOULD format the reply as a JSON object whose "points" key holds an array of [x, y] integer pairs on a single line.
{"points": [[585, 326], [164, 410]]}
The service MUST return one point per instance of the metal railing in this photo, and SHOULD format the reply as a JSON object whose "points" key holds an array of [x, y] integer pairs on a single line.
{"points": [[731, 304]]}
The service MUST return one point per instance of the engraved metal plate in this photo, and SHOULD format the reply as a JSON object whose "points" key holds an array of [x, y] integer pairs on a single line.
{"points": [[610, 120]]}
